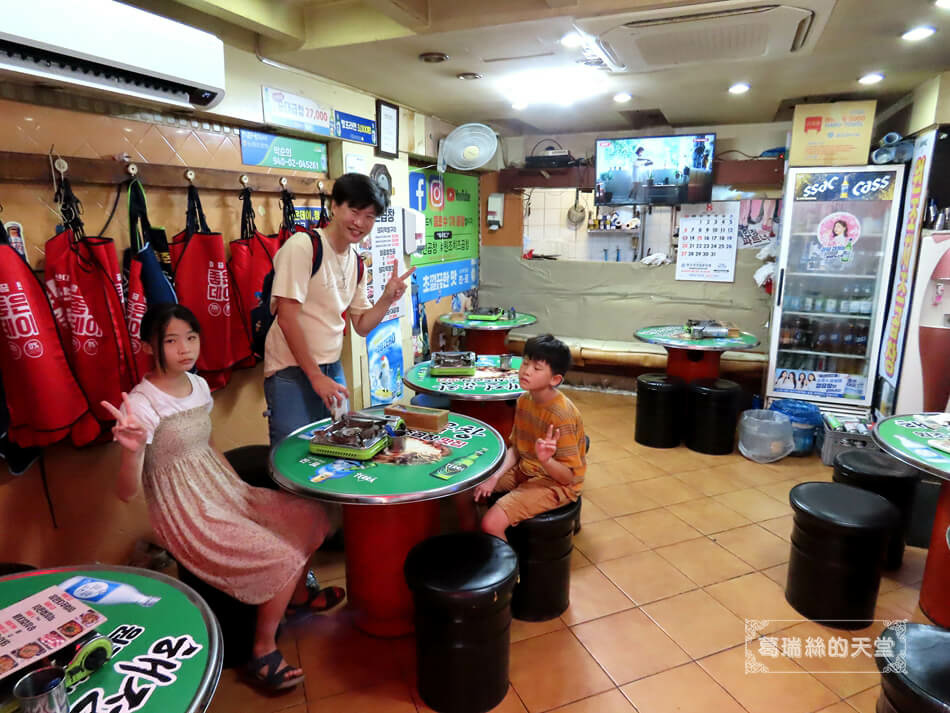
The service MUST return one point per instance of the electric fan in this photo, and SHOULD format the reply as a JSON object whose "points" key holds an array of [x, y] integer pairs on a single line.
{"points": [[468, 147]]}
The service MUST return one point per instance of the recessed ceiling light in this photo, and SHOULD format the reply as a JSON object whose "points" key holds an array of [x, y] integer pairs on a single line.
{"points": [[469, 76], [943, 4], [433, 57], [622, 97], [871, 78], [739, 88], [918, 33], [572, 40], [519, 106], [560, 86]]}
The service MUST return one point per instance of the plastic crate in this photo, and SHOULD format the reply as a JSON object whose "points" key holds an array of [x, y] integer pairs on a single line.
{"points": [[835, 442]]}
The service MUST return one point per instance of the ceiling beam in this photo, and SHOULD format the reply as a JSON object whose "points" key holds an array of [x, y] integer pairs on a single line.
{"points": [[349, 23], [411, 13], [283, 22]]}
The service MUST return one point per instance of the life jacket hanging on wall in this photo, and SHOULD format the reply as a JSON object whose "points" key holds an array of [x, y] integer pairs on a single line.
{"points": [[44, 399], [203, 285], [84, 286]]}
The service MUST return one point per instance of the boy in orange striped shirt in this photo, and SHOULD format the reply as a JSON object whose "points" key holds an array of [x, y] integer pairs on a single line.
{"points": [[546, 459]]}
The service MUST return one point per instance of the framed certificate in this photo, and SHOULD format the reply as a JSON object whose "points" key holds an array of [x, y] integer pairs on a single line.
{"points": [[387, 121]]}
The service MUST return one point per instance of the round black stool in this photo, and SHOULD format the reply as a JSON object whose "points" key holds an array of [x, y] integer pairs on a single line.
{"points": [[544, 544], [712, 411], [921, 682], [461, 585], [888, 477], [660, 400], [839, 538]]}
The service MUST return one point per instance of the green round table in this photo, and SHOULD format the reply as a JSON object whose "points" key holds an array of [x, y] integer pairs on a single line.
{"points": [[486, 336], [907, 438], [388, 507], [691, 359], [178, 631]]}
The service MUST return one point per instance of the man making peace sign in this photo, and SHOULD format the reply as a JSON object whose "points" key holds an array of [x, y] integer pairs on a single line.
{"points": [[303, 377]]}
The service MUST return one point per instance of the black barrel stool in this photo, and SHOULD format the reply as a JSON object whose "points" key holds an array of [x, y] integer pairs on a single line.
{"points": [[660, 401], [888, 477], [839, 538], [712, 411], [544, 544], [920, 683], [461, 585]]}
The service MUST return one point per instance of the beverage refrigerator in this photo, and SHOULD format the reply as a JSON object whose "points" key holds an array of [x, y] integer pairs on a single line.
{"points": [[837, 249]]}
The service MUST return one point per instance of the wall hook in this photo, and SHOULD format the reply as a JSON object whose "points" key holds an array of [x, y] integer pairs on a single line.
{"points": [[283, 182], [190, 176], [132, 169], [244, 180]]}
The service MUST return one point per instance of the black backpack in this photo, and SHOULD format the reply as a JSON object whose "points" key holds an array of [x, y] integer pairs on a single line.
{"points": [[261, 316]]}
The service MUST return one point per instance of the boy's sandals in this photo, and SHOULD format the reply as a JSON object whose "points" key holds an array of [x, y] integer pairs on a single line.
{"points": [[266, 672], [331, 597]]}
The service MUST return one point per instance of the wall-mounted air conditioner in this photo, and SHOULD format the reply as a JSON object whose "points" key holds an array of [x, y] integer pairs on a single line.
{"points": [[106, 47]]}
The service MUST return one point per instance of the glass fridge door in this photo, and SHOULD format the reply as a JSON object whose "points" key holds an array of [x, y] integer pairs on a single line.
{"points": [[837, 234]]}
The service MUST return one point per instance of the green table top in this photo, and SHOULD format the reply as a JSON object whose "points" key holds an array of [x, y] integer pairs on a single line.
{"points": [[490, 383], [179, 630], [459, 457], [673, 336], [907, 438], [454, 319]]}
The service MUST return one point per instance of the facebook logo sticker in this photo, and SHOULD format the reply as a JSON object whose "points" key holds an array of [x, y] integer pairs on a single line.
{"points": [[417, 190]]}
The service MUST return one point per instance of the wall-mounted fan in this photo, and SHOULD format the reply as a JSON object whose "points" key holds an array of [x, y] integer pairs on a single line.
{"points": [[468, 147]]}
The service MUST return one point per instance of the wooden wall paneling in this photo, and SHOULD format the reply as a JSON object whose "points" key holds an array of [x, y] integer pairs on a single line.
{"points": [[512, 230]]}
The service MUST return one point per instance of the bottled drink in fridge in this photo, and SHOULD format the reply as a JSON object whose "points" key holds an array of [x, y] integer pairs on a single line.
{"points": [[861, 339], [819, 341], [819, 302], [847, 337], [793, 299], [867, 299], [831, 304], [834, 337], [844, 304], [807, 302]]}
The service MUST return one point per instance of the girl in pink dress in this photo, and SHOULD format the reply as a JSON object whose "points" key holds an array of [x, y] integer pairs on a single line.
{"points": [[252, 543]]}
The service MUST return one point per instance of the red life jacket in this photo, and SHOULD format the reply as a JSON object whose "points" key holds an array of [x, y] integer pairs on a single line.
{"points": [[43, 397], [204, 286]]}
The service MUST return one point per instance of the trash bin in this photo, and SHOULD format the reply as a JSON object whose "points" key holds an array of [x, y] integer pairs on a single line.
{"points": [[806, 420], [765, 436]]}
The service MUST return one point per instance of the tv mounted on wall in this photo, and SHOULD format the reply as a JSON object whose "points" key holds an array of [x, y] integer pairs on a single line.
{"points": [[654, 170]]}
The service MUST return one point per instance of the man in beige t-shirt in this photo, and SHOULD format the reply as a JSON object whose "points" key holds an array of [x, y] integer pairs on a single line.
{"points": [[303, 377]]}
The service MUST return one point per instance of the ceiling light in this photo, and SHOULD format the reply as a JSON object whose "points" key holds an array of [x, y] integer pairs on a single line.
{"points": [[572, 40], [871, 78], [918, 33], [519, 106], [739, 88], [433, 57], [561, 86], [622, 97], [943, 4], [469, 76]]}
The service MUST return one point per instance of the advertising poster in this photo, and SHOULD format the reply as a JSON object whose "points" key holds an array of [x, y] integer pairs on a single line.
{"points": [[445, 279], [846, 186], [384, 359], [381, 251], [295, 112], [450, 204], [758, 221], [350, 127], [709, 235], [258, 149], [836, 134], [895, 325]]}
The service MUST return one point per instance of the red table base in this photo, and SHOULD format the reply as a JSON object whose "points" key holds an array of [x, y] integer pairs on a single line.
{"points": [[486, 341], [935, 589], [500, 415], [692, 364], [378, 538]]}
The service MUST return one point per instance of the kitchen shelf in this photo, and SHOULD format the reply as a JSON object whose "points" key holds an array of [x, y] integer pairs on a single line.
{"points": [[783, 350], [836, 315], [836, 275]]}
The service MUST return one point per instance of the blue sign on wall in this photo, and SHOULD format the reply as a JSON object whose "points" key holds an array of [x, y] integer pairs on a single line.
{"points": [[355, 128], [445, 278], [417, 190], [384, 352]]}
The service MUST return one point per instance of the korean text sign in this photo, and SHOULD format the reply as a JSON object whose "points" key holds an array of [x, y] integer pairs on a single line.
{"points": [[450, 204]]}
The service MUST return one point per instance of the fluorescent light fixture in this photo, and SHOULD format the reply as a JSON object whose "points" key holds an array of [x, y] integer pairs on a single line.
{"points": [[519, 106], [921, 32], [871, 78], [739, 88], [572, 40], [560, 86], [943, 4], [622, 97]]}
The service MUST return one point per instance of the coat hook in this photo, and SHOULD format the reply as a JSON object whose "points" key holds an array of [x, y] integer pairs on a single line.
{"points": [[189, 176], [61, 166], [283, 182], [132, 169], [320, 186], [244, 180]]}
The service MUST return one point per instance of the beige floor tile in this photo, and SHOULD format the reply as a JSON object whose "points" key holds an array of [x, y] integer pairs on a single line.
{"points": [[911, 571], [616, 472], [610, 641], [711, 481], [671, 460], [604, 540], [707, 515], [620, 499], [590, 512], [668, 490], [748, 472], [593, 596], [607, 702], [839, 707], [781, 526], [658, 527], [646, 577], [778, 574], [753, 504], [510, 704], [521, 630], [686, 689], [755, 596], [553, 670], [847, 675], [697, 623], [778, 491], [785, 689], [233, 693], [703, 561], [755, 545], [866, 701], [389, 697], [578, 559], [905, 599]]}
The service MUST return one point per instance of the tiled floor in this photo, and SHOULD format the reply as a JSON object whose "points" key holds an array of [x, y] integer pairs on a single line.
{"points": [[677, 550]]}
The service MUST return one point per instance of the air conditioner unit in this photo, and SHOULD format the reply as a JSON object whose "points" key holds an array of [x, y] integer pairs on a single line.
{"points": [[102, 46]]}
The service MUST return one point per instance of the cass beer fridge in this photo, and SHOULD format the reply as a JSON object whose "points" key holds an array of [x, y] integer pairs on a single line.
{"points": [[837, 246]]}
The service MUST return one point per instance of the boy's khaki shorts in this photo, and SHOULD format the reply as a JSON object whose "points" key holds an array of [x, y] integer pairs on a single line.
{"points": [[527, 497]]}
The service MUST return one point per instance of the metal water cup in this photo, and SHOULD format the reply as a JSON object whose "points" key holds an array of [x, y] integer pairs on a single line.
{"points": [[504, 361], [43, 691]]}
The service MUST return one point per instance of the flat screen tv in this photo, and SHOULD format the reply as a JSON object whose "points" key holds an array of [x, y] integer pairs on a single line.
{"points": [[654, 170]]}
